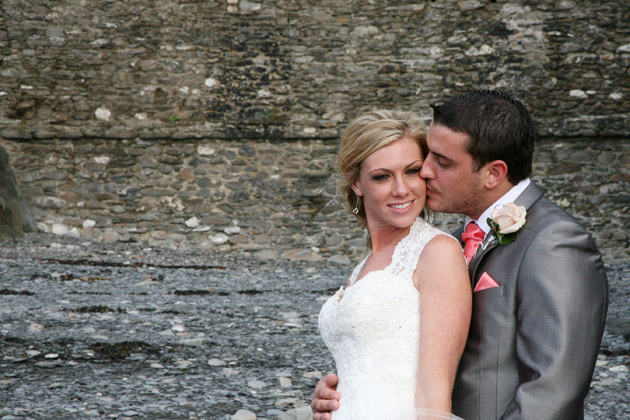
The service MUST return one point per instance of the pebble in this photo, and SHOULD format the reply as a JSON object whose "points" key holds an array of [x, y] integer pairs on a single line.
{"points": [[230, 372], [244, 415], [256, 384], [619, 369], [34, 327], [183, 364], [300, 413], [192, 342]]}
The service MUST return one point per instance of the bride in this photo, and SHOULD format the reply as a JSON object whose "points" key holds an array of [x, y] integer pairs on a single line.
{"points": [[398, 328]]}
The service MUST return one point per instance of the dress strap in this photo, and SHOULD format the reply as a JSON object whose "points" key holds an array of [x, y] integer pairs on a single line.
{"points": [[357, 270], [408, 250]]}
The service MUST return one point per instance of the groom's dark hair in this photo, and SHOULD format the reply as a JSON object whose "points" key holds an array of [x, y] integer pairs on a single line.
{"points": [[498, 125]]}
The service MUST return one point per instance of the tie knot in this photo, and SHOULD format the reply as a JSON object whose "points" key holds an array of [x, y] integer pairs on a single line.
{"points": [[474, 232], [472, 237]]}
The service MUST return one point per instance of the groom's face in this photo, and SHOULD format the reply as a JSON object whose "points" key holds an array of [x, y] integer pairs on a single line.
{"points": [[454, 185]]}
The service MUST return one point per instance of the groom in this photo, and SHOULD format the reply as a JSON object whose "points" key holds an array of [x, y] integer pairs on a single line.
{"points": [[539, 302]]}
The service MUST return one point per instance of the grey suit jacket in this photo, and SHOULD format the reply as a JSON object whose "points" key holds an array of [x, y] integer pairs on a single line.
{"points": [[534, 339]]}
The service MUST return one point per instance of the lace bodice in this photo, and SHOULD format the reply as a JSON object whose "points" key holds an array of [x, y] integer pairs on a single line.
{"points": [[372, 330]]}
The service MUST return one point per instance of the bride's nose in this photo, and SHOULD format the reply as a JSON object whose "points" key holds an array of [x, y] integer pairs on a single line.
{"points": [[400, 188]]}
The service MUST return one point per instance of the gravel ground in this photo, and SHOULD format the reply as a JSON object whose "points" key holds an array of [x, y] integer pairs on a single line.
{"points": [[101, 330]]}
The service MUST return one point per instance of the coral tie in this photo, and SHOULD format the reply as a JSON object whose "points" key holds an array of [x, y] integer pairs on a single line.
{"points": [[472, 237]]}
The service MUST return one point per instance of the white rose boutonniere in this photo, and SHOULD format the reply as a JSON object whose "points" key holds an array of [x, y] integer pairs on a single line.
{"points": [[506, 221]]}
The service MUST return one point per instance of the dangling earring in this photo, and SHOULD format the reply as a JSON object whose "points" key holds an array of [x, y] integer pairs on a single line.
{"points": [[356, 207]]}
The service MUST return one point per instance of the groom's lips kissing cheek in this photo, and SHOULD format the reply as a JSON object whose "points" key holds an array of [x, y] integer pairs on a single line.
{"points": [[431, 192]]}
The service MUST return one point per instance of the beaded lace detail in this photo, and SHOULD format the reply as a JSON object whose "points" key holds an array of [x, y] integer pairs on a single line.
{"points": [[372, 330], [406, 252]]}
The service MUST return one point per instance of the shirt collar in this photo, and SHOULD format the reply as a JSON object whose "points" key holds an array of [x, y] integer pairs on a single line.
{"points": [[508, 197]]}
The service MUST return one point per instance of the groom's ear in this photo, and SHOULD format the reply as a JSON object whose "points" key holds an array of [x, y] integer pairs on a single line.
{"points": [[496, 173]]}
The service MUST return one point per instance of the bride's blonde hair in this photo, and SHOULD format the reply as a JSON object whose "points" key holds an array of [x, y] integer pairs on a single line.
{"points": [[365, 135]]}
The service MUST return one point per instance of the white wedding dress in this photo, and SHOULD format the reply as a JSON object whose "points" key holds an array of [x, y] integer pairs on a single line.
{"points": [[372, 328]]}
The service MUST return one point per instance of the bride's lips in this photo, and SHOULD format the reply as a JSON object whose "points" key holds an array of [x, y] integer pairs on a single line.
{"points": [[401, 207]]}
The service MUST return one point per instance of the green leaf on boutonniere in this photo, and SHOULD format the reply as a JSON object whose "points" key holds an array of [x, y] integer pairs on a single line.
{"points": [[503, 239]]}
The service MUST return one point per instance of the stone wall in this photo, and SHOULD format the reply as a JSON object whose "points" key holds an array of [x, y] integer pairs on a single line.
{"points": [[215, 123], [289, 69], [274, 199]]}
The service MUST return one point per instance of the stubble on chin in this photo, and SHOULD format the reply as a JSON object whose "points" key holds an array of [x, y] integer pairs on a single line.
{"points": [[440, 206], [434, 205]]}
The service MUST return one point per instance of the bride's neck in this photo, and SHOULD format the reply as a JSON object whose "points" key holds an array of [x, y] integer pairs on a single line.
{"points": [[385, 239]]}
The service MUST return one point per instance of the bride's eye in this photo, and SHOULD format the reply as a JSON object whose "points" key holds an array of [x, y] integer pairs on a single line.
{"points": [[379, 177], [414, 171]]}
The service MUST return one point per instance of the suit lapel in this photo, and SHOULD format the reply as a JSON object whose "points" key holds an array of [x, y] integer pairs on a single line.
{"points": [[528, 197], [488, 244]]}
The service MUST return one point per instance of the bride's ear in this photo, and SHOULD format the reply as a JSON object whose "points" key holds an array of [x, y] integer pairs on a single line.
{"points": [[357, 190]]}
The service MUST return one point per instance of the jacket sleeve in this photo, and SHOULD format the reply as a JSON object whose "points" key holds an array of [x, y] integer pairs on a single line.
{"points": [[562, 302]]}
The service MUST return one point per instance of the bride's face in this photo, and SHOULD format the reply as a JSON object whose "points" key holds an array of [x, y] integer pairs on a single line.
{"points": [[390, 185]]}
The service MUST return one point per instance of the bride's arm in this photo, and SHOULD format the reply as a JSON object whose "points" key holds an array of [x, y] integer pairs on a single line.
{"points": [[445, 309]]}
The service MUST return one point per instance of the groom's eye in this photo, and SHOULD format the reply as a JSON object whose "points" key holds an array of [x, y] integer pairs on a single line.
{"points": [[441, 163]]}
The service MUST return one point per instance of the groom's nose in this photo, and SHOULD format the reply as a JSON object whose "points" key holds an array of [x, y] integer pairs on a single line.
{"points": [[427, 171]]}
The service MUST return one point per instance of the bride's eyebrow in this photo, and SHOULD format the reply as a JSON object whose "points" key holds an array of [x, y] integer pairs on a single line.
{"points": [[415, 162]]}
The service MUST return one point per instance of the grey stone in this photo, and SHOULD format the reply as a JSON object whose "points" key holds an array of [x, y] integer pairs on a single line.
{"points": [[339, 259], [15, 133], [266, 254], [16, 215], [300, 413], [244, 415], [256, 384]]}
